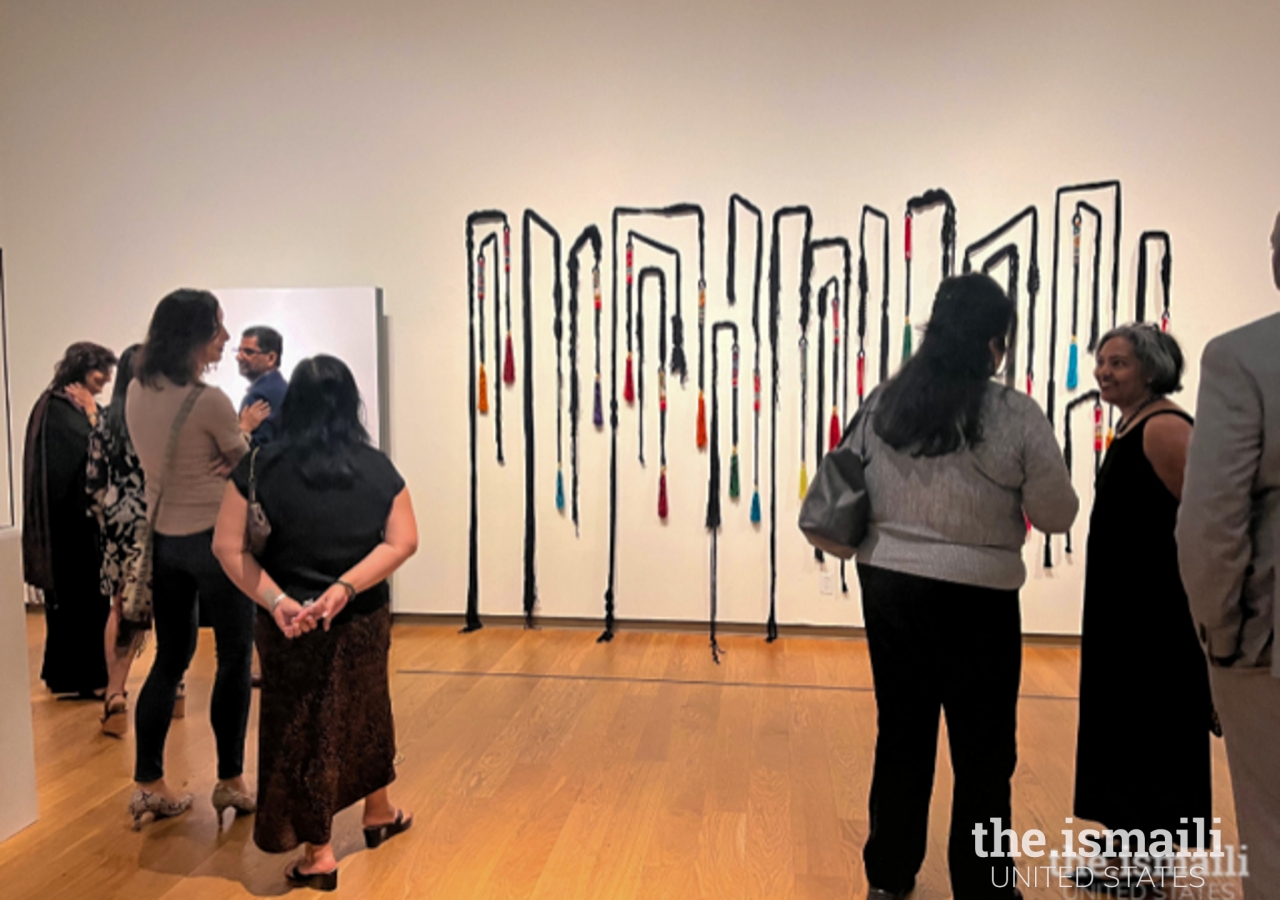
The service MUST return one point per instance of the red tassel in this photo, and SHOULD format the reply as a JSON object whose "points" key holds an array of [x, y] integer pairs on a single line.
{"points": [[907, 235], [483, 404], [1028, 384], [629, 387], [862, 374], [662, 495], [835, 430], [509, 365], [702, 422]]}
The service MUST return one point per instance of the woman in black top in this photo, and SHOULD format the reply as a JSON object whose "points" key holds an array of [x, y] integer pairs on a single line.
{"points": [[341, 523], [59, 539], [1142, 752]]}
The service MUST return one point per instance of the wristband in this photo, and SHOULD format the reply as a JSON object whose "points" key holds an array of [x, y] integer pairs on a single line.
{"points": [[276, 602], [351, 590]]}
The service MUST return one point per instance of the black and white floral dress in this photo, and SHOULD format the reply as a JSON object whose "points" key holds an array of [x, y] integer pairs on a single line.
{"points": [[117, 499]]}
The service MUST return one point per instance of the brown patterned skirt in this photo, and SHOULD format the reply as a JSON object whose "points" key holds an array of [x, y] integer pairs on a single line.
{"points": [[326, 738]]}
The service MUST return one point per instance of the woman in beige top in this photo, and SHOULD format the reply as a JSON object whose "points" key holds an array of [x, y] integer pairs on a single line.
{"points": [[185, 337]]}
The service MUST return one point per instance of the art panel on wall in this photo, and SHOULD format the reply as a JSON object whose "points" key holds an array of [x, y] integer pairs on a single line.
{"points": [[649, 248]]}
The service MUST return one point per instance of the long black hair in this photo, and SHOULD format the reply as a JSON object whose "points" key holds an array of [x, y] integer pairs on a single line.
{"points": [[184, 321], [320, 421], [78, 361], [113, 418], [933, 406]]}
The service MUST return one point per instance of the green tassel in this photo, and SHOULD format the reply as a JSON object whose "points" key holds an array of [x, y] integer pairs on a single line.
{"points": [[734, 488], [906, 342], [755, 507], [560, 490]]}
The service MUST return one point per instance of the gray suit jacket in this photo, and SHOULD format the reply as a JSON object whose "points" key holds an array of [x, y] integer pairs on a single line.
{"points": [[1229, 520]]}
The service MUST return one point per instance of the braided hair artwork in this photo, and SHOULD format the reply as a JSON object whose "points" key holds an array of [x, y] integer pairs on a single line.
{"points": [[1084, 398], [864, 287], [731, 294], [635, 327], [775, 317], [590, 235], [1010, 251], [1009, 256], [677, 366], [714, 517], [474, 386], [1166, 276], [1077, 221], [927, 200], [646, 274], [530, 594]]}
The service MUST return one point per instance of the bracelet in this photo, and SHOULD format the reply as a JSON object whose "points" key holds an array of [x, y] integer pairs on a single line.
{"points": [[276, 602], [351, 589]]}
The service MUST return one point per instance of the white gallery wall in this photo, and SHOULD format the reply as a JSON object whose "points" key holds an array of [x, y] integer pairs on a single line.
{"points": [[147, 145]]}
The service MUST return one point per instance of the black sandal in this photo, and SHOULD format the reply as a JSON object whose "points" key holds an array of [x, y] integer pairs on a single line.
{"points": [[377, 835], [317, 881]]}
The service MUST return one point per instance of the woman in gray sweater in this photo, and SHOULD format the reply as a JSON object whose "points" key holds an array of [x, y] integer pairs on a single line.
{"points": [[955, 463]]}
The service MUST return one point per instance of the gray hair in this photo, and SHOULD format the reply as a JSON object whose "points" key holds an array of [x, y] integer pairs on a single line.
{"points": [[1156, 351]]}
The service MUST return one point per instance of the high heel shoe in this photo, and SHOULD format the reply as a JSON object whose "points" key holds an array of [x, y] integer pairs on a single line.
{"points": [[376, 835], [317, 881], [180, 702], [115, 717], [225, 796], [146, 806]]}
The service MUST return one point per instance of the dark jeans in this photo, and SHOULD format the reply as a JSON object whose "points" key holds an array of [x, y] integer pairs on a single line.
{"points": [[938, 645], [187, 577]]}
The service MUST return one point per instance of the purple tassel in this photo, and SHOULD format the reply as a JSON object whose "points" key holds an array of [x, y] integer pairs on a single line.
{"points": [[597, 409]]}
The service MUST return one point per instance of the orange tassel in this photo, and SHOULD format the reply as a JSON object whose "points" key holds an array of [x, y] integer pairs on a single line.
{"points": [[662, 494], [483, 405], [629, 386], [702, 422], [509, 366]]}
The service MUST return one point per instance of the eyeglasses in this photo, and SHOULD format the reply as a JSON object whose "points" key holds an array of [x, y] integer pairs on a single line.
{"points": [[249, 351]]}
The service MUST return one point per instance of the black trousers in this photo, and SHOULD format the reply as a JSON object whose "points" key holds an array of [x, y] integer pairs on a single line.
{"points": [[187, 577], [941, 646]]}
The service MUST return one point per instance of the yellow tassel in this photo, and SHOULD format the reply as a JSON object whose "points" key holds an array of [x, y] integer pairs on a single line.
{"points": [[483, 404], [804, 480]]}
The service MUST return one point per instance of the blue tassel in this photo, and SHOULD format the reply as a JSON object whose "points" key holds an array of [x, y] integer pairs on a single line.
{"points": [[597, 409], [1073, 367], [560, 490], [755, 508]]}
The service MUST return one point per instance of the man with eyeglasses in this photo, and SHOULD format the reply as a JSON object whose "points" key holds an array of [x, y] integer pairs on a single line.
{"points": [[261, 349]]}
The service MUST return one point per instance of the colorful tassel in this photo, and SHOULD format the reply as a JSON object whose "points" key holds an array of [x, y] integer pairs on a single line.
{"points": [[483, 404], [1073, 366], [662, 494], [862, 374], [629, 386], [560, 490], [702, 421], [1029, 384], [735, 488], [906, 341], [509, 364], [804, 479], [834, 438], [755, 507], [597, 408]]}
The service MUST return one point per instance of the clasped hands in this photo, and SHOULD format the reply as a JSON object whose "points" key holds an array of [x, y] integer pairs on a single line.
{"points": [[295, 619]]}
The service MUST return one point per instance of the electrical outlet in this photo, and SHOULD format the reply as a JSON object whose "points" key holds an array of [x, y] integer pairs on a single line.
{"points": [[826, 584]]}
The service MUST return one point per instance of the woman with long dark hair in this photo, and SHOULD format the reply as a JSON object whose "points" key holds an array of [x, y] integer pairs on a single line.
{"points": [[341, 523], [954, 463], [118, 504], [59, 539], [188, 439]]}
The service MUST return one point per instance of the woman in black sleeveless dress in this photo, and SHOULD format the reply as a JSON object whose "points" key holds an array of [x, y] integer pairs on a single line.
{"points": [[1142, 752]]}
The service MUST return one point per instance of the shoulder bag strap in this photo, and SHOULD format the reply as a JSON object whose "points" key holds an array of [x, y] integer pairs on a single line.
{"points": [[171, 448], [253, 479]]}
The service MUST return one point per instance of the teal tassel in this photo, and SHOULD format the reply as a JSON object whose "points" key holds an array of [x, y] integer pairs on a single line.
{"points": [[755, 508], [734, 488], [906, 342], [560, 490], [1073, 367]]}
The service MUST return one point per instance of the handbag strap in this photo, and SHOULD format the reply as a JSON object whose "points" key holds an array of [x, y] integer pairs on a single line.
{"points": [[253, 478], [171, 448]]}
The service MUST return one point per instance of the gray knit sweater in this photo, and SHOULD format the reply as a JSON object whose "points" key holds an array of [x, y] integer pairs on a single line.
{"points": [[959, 517]]}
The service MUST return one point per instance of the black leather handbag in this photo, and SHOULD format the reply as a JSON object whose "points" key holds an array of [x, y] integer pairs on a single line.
{"points": [[837, 509]]}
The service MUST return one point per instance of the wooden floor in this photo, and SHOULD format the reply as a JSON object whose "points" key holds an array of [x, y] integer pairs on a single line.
{"points": [[542, 765]]}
